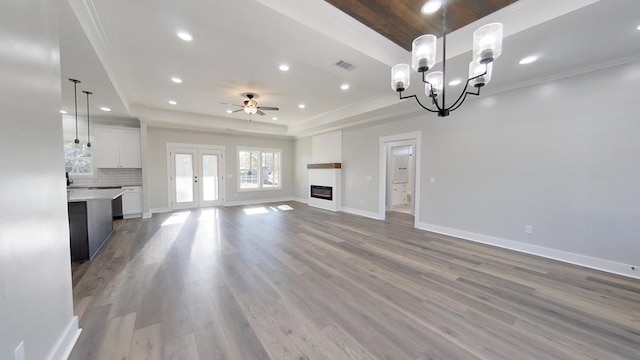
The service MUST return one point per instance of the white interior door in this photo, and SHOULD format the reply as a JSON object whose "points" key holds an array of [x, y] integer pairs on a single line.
{"points": [[195, 177]]}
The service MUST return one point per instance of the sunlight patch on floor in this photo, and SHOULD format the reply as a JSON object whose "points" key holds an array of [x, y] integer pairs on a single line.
{"points": [[256, 210], [208, 215], [177, 218]]}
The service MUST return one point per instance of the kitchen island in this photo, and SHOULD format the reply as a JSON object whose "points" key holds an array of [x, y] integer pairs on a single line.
{"points": [[90, 220]]}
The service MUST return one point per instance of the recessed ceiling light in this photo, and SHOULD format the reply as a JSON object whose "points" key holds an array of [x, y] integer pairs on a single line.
{"points": [[455, 82], [638, 28], [301, 106], [63, 112], [176, 80], [185, 36], [104, 108], [528, 60], [284, 67], [274, 118], [344, 86], [431, 6], [172, 102], [229, 111]]}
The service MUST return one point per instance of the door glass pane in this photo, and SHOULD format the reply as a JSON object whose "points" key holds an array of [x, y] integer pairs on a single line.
{"points": [[184, 178], [209, 177]]}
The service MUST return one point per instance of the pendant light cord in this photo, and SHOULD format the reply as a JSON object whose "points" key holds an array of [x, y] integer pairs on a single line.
{"points": [[75, 96], [88, 122], [444, 52]]}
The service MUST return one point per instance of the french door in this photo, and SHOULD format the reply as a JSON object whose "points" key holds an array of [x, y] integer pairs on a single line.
{"points": [[195, 177]]}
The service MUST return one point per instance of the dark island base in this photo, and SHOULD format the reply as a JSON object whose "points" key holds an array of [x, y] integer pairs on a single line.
{"points": [[90, 225]]}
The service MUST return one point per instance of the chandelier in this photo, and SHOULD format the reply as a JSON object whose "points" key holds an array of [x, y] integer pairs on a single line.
{"points": [[487, 46]]}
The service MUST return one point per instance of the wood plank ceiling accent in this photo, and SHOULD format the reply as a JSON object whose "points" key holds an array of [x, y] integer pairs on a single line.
{"points": [[401, 20]]}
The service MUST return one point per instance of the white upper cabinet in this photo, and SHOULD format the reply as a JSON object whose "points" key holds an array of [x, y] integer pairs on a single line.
{"points": [[117, 147]]}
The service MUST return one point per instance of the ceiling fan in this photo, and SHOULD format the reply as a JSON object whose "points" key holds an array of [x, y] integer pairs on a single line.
{"points": [[251, 106]]}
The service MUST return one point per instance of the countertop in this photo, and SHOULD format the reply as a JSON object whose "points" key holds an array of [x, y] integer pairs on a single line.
{"points": [[99, 187], [75, 195]]}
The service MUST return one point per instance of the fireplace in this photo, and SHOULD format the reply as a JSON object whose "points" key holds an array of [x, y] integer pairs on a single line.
{"points": [[322, 192]]}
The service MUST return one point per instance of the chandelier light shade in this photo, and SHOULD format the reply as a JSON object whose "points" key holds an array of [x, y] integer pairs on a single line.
{"points": [[480, 74], [434, 83], [423, 53], [400, 75], [487, 47], [487, 43]]}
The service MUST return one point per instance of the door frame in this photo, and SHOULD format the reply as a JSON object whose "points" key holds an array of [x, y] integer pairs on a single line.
{"points": [[221, 185], [416, 138]]}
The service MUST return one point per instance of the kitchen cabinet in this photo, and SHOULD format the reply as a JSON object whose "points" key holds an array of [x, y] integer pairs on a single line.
{"points": [[131, 201], [400, 194], [116, 147]]}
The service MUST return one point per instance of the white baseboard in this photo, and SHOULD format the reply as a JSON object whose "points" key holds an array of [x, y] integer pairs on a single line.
{"points": [[369, 214], [66, 342], [146, 215], [257, 201], [301, 200], [560, 255]]}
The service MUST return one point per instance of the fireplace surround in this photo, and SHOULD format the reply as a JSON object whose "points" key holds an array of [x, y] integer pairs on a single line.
{"points": [[324, 182]]}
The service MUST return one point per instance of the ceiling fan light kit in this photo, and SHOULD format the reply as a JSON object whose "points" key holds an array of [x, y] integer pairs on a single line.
{"points": [[487, 47], [250, 106]]}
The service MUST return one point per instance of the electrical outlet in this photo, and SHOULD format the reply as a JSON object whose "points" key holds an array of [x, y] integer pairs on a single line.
{"points": [[528, 229], [18, 353]]}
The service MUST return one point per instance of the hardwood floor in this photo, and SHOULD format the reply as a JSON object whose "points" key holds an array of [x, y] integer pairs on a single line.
{"points": [[285, 281]]}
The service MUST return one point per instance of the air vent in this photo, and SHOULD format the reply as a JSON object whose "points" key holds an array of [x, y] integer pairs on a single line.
{"points": [[345, 65]]}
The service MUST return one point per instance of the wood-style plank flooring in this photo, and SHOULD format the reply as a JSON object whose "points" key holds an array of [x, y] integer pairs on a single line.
{"points": [[285, 281]]}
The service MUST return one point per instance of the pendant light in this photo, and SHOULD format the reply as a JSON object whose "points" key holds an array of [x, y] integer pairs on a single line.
{"points": [[487, 46], [75, 96], [88, 124]]}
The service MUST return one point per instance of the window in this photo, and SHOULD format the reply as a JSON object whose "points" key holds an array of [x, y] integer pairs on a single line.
{"points": [[77, 159], [259, 169]]}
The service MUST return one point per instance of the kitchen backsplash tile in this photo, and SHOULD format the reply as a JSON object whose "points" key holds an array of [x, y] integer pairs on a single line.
{"points": [[111, 177]]}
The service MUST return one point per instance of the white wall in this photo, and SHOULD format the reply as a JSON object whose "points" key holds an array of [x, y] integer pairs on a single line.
{"points": [[157, 163], [36, 304], [561, 156], [302, 150], [326, 148]]}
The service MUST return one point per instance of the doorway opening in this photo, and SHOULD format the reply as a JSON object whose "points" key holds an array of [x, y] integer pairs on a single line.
{"points": [[399, 186], [400, 179], [195, 175]]}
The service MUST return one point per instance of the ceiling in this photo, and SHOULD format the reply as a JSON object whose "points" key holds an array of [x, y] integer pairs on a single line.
{"points": [[402, 21], [127, 51]]}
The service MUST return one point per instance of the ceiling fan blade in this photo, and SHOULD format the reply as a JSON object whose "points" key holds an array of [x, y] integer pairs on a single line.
{"points": [[260, 112], [234, 111], [230, 104], [268, 108]]}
